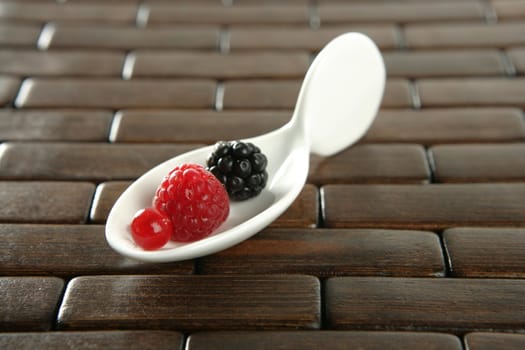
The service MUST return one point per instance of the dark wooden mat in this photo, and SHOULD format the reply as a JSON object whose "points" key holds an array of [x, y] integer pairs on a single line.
{"points": [[412, 239]]}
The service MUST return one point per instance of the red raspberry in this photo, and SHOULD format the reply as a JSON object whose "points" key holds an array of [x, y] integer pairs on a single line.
{"points": [[194, 200], [150, 229]]}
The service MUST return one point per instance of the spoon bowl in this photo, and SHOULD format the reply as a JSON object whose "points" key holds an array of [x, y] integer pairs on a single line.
{"points": [[337, 103]]}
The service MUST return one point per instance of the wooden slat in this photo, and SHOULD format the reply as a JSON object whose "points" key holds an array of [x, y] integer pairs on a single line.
{"points": [[471, 92], [45, 202], [465, 35], [401, 12], [61, 63], [191, 302], [517, 57], [431, 304], [69, 250], [303, 212], [188, 126], [267, 14], [329, 252], [264, 94], [105, 196], [334, 340], [372, 164], [397, 94], [29, 303], [509, 10], [60, 160], [486, 252], [449, 63], [239, 65], [114, 93], [8, 89], [44, 12], [118, 340], [19, 34], [492, 340], [423, 207], [427, 126], [119, 38], [479, 163], [56, 125], [448, 125], [293, 38]]}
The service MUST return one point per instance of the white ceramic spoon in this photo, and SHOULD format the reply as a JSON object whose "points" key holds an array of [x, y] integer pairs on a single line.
{"points": [[338, 101]]}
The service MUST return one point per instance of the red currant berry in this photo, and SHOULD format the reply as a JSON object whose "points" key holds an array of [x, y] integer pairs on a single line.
{"points": [[151, 229]]}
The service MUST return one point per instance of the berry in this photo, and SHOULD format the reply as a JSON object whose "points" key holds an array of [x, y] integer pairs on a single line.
{"points": [[241, 167], [150, 229], [194, 200]]}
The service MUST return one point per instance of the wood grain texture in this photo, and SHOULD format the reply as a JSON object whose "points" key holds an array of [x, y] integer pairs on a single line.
{"points": [[105, 196], [303, 212], [486, 252], [255, 14], [122, 37], [57, 125], [465, 35], [447, 125], [261, 94], [426, 207], [44, 12], [8, 89], [293, 38], [115, 93], [400, 12], [238, 65], [517, 58], [29, 303], [509, 10], [489, 341], [61, 63], [68, 251], [189, 126], [431, 304], [334, 340], [449, 63], [372, 164], [118, 340], [45, 202], [83, 161], [19, 34], [331, 252], [397, 94], [191, 302], [471, 92], [411, 239], [479, 163]]}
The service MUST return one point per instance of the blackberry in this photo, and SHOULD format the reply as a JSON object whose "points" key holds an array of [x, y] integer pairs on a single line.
{"points": [[240, 167]]}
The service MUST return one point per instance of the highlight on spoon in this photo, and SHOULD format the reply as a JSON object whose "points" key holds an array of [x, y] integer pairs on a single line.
{"points": [[328, 117]]}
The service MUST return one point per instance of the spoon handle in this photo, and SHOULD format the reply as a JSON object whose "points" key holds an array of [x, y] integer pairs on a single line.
{"points": [[341, 94]]}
